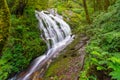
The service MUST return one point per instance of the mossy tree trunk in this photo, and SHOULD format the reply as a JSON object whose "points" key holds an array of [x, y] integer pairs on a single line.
{"points": [[94, 5], [106, 4], [86, 11], [99, 3], [19, 6], [4, 23]]}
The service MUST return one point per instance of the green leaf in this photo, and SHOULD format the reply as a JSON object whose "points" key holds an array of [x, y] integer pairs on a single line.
{"points": [[94, 60], [100, 68], [115, 74], [96, 53]]}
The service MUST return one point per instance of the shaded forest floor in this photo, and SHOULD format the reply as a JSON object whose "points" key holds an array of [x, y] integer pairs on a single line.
{"points": [[68, 65]]}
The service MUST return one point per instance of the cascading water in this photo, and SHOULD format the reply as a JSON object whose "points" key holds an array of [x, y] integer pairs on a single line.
{"points": [[57, 35]]}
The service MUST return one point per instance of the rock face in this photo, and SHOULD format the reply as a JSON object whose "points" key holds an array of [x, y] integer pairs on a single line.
{"points": [[69, 65], [4, 22]]}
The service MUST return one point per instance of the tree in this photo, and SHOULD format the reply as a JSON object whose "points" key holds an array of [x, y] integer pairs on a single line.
{"points": [[99, 5], [86, 11], [4, 23], [19, 6], [106, 5]]}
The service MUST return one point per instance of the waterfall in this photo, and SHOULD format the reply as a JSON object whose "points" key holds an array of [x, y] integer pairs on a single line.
{"points": [[57, 35]]}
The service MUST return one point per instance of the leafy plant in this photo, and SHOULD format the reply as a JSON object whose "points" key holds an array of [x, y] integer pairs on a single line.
{"points": [[104, 48]]}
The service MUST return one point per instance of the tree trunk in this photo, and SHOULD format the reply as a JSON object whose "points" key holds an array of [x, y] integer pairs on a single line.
{"points": [[106, 5], [86, 11], [4, 23], [19, 6], [94, 5], [99, 6]]}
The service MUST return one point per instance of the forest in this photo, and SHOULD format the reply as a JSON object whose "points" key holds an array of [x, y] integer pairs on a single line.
{"points": [[94, 54]]}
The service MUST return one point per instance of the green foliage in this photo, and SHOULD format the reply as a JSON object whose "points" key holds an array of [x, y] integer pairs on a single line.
{"points": [[23, 45], [104, 47], [114, 64]]}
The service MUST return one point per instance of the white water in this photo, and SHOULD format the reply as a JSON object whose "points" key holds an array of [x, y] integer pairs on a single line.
{"points": [[57, 35]]}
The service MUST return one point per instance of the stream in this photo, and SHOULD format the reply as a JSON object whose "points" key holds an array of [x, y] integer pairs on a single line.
{"points": [[57, 35]]}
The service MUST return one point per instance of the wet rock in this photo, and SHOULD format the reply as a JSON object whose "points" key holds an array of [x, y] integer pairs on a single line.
{"points": [[64, 56], [71, 69], [73, 55], [72, 49]]}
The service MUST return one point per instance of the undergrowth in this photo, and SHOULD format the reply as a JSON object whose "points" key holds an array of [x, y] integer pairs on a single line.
{"points": [[103, 52], [23, 45]]}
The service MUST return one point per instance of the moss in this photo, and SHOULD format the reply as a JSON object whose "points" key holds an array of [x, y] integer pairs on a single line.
{"points": [[42, 4], [63, 62], [57, 66], [4, 23]]}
